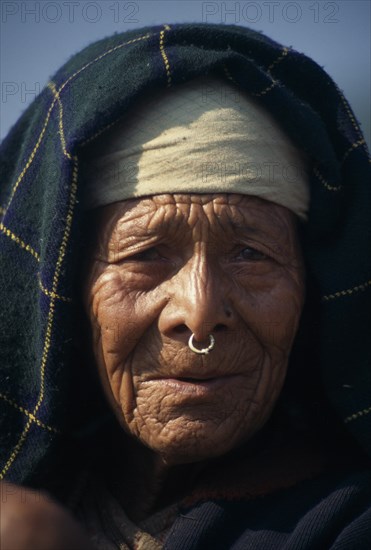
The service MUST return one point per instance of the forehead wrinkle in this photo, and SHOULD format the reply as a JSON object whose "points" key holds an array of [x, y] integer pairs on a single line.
{"points": [[157, 223], [161, 217], [255, 221], [232, 222]]}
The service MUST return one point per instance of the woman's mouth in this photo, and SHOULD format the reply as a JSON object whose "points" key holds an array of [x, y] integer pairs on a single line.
{"points": [[195, 386]]}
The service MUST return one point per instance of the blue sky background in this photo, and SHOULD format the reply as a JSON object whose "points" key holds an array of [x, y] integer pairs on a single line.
{"points": [[37, 37]]}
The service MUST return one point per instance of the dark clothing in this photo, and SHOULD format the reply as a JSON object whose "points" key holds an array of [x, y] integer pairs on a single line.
{"points": [[330, 512], [300, 494]]}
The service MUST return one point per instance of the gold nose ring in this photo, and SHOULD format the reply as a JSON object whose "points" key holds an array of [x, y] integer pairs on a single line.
{"points": [[203, 351]]}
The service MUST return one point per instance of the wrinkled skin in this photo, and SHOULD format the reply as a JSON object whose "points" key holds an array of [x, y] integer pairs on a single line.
{"points": [[165, 266]]}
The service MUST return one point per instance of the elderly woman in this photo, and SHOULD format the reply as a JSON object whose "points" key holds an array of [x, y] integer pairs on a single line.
{"points": [[186, 301]]}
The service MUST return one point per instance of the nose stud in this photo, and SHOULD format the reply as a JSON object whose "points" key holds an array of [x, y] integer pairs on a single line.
{"points": [[203, 351]]}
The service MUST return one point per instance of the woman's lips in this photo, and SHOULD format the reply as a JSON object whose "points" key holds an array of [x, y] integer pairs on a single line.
{"points": [[195, 386]]}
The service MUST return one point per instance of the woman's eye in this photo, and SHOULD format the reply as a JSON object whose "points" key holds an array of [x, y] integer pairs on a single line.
{"points": [[251, 254], [148, 255]]}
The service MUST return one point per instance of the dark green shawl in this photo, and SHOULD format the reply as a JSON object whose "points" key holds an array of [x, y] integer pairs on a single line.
{"points": [[41, 233]]}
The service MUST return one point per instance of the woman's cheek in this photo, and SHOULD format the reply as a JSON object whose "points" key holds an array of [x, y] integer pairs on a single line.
{"points": [[116, 333]]}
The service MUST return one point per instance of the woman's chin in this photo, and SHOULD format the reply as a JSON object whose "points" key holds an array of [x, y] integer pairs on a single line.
{"points": [[192, 446]]}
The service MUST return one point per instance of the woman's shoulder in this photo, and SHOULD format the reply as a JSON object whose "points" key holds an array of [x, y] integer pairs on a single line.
{"points": [[330, 511]]}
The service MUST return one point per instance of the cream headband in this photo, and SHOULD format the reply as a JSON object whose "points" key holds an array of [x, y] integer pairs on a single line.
{"points": [[204, 136]]}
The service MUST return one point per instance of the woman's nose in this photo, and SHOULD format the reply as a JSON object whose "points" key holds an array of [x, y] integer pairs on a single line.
{"points": [[199, 304]]}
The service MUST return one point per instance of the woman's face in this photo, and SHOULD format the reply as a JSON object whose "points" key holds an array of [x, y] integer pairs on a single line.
{"points": [[167, 266]]}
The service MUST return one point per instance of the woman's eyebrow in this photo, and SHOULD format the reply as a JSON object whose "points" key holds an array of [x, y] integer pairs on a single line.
{"points": [[133, 231], [256, 229], [151, 225]]}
